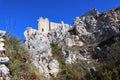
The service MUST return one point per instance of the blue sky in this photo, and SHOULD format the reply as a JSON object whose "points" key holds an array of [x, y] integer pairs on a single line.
{"points": [[16, 15]]}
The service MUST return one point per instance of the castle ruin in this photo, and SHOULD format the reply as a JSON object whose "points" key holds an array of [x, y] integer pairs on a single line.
{"points": [[44, 25]]}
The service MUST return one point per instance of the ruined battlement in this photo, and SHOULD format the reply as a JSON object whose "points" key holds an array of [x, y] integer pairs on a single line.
{"points": [[44, 25], [54, 25]]}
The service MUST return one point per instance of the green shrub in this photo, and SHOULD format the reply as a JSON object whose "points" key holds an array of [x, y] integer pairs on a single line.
{"points": [[20, 65]]}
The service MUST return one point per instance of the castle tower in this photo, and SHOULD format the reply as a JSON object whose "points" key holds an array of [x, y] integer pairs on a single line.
{"points": [[43, 25]]}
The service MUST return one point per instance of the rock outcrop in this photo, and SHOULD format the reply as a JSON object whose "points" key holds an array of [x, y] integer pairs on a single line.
{"points": [[58, 34], [74, 41], [39, 47], [95, 27]]}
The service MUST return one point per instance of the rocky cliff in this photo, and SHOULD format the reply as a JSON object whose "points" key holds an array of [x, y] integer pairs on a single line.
{"points": [[39, 48], [89, 34]]}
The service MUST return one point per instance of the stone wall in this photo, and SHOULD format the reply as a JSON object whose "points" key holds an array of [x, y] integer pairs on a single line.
{"points": [[54, 25], [43, 25]]}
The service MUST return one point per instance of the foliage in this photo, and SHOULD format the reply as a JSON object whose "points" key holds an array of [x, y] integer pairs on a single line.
{"points": [[109, 69], [21, 68], [20, 65], [69, 71]]}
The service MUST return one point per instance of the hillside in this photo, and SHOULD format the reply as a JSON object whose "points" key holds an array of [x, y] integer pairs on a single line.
{"points": [[87, 50], [83, 49]]}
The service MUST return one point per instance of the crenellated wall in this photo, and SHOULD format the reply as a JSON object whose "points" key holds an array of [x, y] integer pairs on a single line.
{"points": [[44, 25], [54, 25]]}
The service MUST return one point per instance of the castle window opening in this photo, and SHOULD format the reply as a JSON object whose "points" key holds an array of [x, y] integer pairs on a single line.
{"points": [[42, 30]]}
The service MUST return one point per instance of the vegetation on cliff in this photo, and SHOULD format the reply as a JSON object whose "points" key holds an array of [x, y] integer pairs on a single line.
{"points": [[106, 69], [109, 69], [20, 65]]}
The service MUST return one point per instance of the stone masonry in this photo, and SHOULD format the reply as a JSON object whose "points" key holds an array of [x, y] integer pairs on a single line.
{"points": [[44, 25]]}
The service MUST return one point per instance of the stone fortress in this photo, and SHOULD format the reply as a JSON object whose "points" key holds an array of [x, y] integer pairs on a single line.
{"points": [[44, 26]]}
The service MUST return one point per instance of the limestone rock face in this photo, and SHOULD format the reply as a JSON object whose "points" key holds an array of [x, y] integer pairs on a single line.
{"points": [[79, 26], [28, 33], [4, 59], [73, 55], [54, 67], [93, 26], [69, 42], [2, 33], [39, 47], [72, 41], [4, 69], [75, 42], [58, 34]]}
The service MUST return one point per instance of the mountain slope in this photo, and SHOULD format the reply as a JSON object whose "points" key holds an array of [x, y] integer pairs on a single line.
{"points": [[71, 53]]}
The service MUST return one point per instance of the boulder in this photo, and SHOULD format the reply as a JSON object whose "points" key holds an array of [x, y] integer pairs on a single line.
{"points": [[4, 69], [4, 59], [53, 67], [2, 33], [2, 48], [69, 42], [1, 40], [28, 32]]}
